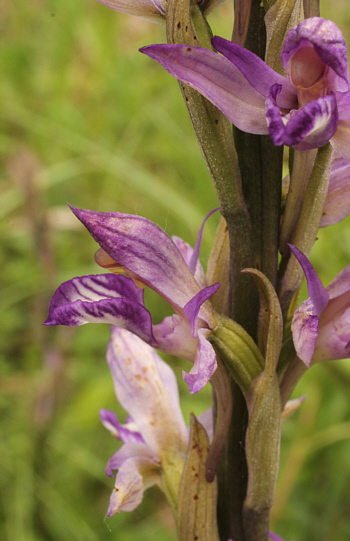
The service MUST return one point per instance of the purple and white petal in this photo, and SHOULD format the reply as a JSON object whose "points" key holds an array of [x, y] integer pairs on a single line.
{"points": [[329, 44], [218, 80], [312, 126], [147, 9], [173, 336], [204, 366], [337, 205], [257, 72], [195, 307], [104, 298], [134, 476], [127, 433], [143, 248], [318, 294], [146, 387]]}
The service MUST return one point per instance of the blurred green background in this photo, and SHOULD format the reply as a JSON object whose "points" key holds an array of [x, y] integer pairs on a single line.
{"points": [[87, 119]]}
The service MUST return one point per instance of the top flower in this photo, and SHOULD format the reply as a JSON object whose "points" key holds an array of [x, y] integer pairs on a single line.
{"points": [[305, 110]]}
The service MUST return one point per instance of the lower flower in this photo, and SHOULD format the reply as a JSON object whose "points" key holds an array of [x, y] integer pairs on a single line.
{"points": [[154, 436], [148, 257]]}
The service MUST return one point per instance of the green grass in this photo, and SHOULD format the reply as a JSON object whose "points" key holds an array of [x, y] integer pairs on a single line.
{"points": [[87, 119]]}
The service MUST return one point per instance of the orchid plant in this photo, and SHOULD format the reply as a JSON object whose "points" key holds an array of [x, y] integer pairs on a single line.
{"points": [[282, 81]]}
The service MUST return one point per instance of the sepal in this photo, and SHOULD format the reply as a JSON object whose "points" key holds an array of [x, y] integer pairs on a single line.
{"points": [[196, 513], [237, 350]]}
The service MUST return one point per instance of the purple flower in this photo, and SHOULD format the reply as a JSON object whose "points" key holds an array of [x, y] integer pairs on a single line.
{"points": [[146, 388], [149, 257], [304, 110], [153, 10], [321, 325]]}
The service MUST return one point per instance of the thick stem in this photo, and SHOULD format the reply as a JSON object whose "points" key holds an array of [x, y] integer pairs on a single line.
{"points": [[232, 472]]}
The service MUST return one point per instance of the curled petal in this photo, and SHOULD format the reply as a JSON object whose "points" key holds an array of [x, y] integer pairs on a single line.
{"points": [[217, 79], [143, 248], [328, 42], [204, 366], [257, 72], [318, 294], [192, 264], [186, 251], [193, 307], [134, 476], [147, 9], [337, 205], [102, 298], [312, 126], [174, 337], [146, 387], [127, 433]]}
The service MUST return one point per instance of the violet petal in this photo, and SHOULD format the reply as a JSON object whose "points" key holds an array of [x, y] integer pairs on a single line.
{"points": [[257, 72], [193, 307], [217, 79], [186, 251], [192, 265], [318, 294], [312, 126], [274, 537], [103, 298], [173, 336], [204, 366], [127, 433], [144, 249]]}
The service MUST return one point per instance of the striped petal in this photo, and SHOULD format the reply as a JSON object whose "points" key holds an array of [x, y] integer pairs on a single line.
{"points": [[143, 248], [103, 298]]}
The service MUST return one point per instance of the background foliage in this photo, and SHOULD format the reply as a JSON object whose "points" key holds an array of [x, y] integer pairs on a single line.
{"points": [[86, 119]]}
